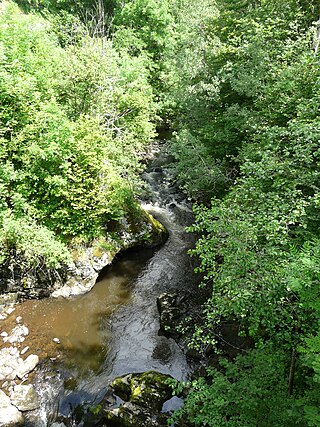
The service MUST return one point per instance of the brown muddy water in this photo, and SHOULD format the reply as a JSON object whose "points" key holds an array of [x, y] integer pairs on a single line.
{"points": [[79, 323]]}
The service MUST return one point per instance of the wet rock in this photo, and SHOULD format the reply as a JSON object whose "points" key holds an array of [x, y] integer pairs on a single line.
{"points": [[171, 308], [122, 387], [27, 366], [10, 416], [70, 383], [148, 389], [172, 404], [141, 399], [24, 397], [129, 415], [154, 233], [96, 415]]}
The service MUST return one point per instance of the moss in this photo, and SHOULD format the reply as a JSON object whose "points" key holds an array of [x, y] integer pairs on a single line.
{"points": [[97, 252], [144, 395], [157, 234], [70, 383], [135, 392], [148, 390], [143, 228], [95, 410], [156, 225], [122, 387], [104, 245], [155, 378], [24, 282], [77, 253]]}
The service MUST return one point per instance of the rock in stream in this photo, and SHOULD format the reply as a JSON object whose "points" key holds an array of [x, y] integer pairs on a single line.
{"points": [[142, 396]]}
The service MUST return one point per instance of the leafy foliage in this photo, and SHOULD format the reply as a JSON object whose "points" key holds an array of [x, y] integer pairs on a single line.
{"points": [[238, 81], [74, 119], [248, 139], [250, 392], [145, 29]]}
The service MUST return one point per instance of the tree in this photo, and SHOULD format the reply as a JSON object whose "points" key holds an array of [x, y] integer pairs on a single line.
{"points": [[74, 117], [259, 233]]}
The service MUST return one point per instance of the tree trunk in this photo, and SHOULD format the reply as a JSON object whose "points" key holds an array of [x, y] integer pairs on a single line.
{"points": [[317, 38], [292, 371]]}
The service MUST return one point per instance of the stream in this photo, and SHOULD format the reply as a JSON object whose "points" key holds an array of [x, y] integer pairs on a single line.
{"points": [[114, 329]]}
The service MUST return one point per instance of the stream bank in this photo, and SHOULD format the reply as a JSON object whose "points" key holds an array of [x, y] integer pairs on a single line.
{"points": [[137, 229], [86, 341]]}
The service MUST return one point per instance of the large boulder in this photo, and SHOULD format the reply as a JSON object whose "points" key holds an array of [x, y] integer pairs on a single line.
{"points": [[27, 365], [154, 233], [137, 230], [137, 402], [24, 397], [148, 389]]}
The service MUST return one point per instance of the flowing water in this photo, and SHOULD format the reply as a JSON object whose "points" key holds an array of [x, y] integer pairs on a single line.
{"points": [[114, 329]]}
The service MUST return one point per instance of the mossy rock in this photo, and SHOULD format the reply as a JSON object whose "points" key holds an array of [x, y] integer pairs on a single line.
{"points": [[128, 415], [122, 387], [159, 234], [148, 389], [147, 230], [144, 395]]}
